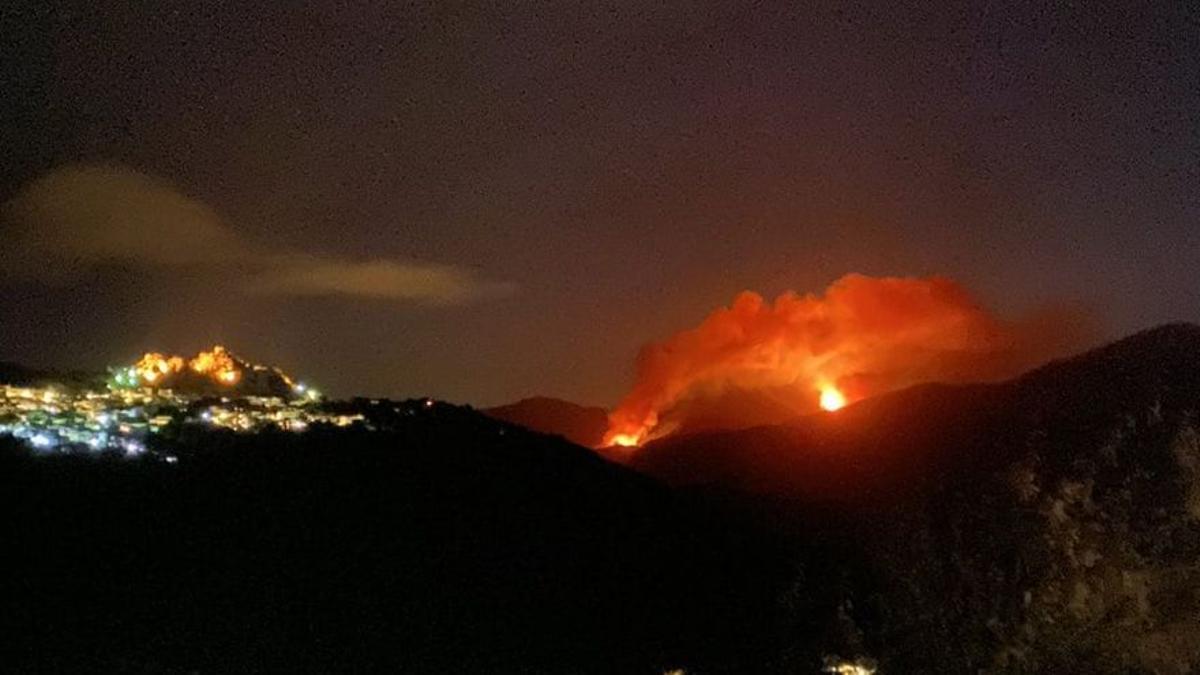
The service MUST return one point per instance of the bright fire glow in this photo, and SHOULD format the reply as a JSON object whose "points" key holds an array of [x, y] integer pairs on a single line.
{"points": [[832, 399], [217, 364], [864, 335], [158, 369], [625, 440], [153, 366]]}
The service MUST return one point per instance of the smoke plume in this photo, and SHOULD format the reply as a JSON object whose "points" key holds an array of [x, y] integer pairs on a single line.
{"points": [[863, 337]]}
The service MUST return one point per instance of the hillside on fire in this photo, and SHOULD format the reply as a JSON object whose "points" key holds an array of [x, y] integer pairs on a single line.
{"points": [[1048, 523]]}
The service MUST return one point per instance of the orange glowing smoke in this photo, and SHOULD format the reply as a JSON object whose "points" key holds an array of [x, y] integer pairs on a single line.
{"points": [[863, 337]]}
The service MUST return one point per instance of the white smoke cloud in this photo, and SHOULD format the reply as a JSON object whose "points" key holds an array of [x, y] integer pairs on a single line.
{"points": [[381, 279], [77, 217]]}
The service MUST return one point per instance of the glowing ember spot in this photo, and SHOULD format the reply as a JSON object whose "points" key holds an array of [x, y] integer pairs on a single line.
{"points": [[625, 440], [832, 399]]}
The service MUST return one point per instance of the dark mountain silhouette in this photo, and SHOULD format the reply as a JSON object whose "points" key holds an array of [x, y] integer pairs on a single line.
{"points": [[16, 374], [889, 443], [23, 376], [1048, 524], [736, 408], [863, 452], [579, 424], [441, 542], [586, 425]]}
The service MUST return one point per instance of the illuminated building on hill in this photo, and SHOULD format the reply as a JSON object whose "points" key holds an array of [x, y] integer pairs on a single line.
{"points": [[214, 389]]}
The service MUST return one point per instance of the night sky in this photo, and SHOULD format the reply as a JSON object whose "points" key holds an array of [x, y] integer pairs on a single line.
{"points": [[481, 203]]}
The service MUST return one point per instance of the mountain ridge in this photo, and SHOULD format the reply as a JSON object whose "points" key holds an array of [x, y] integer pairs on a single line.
{"points": [[580, 424], [1046, 524], [1063, 390]]}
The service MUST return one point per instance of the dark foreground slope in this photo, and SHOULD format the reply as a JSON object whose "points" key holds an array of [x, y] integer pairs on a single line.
{"points": [[1050, 524], [448, 543]]}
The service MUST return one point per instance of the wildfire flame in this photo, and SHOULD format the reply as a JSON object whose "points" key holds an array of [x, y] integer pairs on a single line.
{"points": [[831, 399], [626, 440], [863, 337]]}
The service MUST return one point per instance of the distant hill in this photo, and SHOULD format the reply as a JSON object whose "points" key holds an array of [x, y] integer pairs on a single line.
{"points": [[1046, 524], [14, 373], [733, 408], [579, 424], [886, 443], [871, 450]]}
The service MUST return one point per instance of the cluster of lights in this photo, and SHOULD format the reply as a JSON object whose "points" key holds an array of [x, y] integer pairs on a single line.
{"points": [[140, 401], [254, 413], [51, 419], [58, 418], [302, 390], [124, 378]]}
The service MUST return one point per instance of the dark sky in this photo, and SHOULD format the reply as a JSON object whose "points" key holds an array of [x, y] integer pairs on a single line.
{"points": [[594, 175]]}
